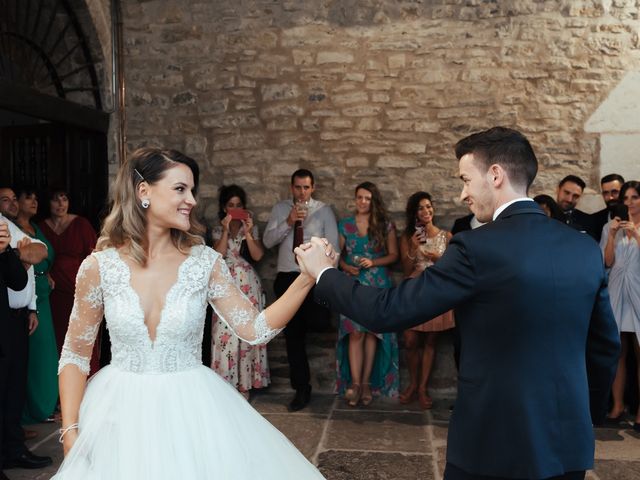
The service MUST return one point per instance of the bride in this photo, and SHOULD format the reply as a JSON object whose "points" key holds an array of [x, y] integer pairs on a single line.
{"points": [[156, 412]]}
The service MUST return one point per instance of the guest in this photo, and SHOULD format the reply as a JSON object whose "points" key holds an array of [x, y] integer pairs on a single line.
{"points": [[367, 363], [568, 194], [610, 186], [468, 222], [621, 246], [42, 380], [421, 245], [292, 222], [22, 322], [14, 276], [243, 365], [72, 238], [550, 207]]}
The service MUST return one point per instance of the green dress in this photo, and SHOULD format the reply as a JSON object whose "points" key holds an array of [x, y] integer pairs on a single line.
{"points": [[42, 381]]}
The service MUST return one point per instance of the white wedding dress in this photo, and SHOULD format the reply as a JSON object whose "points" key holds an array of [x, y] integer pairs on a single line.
{"points": [[156, 412]]}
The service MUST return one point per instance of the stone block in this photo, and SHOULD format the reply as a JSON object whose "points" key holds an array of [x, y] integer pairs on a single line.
{"points": [[354, 77], [337, 123], [259, 70], [396, 61], [394, 161], [362, 111], [279, 91], [231, 121], [302, 57], [352, 97], [334, 57], [239, 141], [281, 110], [284, 123], [369, 124]]}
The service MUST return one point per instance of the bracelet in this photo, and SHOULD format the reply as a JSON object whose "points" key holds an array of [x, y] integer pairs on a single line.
{"points": [[64, 431]]}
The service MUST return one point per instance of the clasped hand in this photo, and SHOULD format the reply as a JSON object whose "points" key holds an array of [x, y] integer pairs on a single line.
{"points": [[316, 255]]}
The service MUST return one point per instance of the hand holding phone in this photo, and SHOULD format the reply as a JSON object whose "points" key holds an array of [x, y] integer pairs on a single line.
{"points": [[238, 213], [621, 211]]}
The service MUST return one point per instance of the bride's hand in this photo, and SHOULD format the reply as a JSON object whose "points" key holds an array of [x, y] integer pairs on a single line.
{"points": [[69, 439]]}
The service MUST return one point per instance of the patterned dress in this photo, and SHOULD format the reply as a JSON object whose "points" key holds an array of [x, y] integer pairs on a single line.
{"points": [[242, 365], [385, 379], [437, 243]]}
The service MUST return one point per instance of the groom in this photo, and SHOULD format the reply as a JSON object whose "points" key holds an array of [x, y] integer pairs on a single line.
{"points": [[539, 341]]}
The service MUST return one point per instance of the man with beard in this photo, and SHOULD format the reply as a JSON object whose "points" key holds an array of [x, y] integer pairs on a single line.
{"points": [[569, 191], [610, 187]]}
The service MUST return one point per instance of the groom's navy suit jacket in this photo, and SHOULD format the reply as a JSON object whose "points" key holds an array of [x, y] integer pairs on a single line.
{"points": [[539, 343]]}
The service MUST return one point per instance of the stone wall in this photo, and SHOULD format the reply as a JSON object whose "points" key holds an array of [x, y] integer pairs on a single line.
{"points": [[376, 91], [369, 90]]}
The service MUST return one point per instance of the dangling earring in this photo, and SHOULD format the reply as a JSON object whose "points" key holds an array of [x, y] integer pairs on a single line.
{"points": [[145, 203]]}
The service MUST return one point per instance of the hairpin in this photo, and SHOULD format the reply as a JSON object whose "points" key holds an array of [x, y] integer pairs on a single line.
{"points": [[139, 174]]}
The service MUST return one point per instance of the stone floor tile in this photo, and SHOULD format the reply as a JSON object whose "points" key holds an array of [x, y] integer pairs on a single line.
{"points": [[381, 404], [441, 459], [382, 431], [347, 465], [321, 404], [618, 470], [46, 443], [617, 445], [304, 431]]}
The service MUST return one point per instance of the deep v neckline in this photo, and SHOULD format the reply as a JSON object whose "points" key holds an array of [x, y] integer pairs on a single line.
{"points": [[138, 302]]}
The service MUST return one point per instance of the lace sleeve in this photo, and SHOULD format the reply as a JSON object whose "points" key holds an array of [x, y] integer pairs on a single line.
{"points": [[235, 309], [85, 318]]}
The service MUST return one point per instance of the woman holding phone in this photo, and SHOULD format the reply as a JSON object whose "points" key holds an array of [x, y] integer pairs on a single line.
{"points": [[236, 239], [620, 244], [421, 245]]}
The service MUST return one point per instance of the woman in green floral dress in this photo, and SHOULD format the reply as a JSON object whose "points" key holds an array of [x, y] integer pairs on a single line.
{"points": [[367, 362]]}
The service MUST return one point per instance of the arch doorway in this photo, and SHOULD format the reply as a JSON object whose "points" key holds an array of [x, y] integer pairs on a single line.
{"points": [[53, 129]]}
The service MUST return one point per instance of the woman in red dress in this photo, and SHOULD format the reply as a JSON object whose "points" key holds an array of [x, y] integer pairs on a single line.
{"points": [[73, 238]]}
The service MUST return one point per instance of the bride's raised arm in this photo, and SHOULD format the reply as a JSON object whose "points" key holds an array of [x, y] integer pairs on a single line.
{"points": [[254, 327], [84, 323]]}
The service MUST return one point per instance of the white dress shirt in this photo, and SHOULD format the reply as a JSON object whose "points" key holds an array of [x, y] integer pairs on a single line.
{"points": [[319, 222], [27, 296]]}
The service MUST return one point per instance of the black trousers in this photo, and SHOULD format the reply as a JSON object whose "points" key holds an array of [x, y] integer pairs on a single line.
{"points": [[13, 384], [451, 472], [310, 313]]}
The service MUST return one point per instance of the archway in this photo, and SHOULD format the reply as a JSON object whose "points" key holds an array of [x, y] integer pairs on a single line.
{"points": [[52, 123]]}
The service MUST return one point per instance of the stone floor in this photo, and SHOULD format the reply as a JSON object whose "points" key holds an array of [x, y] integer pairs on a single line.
{"points": [[383, 441]]}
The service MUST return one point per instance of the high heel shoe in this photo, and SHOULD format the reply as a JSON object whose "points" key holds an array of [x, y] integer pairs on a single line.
{"points": [[352, 395], [425, 401], [366, 397], [409, 395]]}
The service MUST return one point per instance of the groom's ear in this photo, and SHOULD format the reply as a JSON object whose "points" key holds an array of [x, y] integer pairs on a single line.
{"points": [[496, 175]]}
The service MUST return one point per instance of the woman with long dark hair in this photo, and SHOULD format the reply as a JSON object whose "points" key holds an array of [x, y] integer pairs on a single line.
{"points": [[243, 365], [421, 245], [620, 243], [367, 362], [42, 379]]}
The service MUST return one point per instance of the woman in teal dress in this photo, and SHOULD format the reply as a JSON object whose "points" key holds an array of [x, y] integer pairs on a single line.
{"points": [[367, 362], [42, 382]]}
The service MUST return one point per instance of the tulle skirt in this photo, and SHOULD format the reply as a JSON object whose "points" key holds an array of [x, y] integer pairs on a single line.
{"points": [[188, 425]]}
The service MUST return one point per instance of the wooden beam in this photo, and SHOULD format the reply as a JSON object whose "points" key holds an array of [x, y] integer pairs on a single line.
{"points": [[35, 104]]}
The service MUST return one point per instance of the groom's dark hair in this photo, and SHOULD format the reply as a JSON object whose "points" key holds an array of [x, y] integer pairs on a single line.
{"points": [[507, 147]]}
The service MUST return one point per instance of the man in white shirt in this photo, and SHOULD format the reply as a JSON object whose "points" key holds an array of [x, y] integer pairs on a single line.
{"points": [[292, 222], [22, 322]]}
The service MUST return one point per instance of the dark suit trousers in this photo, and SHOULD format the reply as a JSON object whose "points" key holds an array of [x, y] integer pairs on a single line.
{"points": [[310, 313], [13, 383], [451, 472]]}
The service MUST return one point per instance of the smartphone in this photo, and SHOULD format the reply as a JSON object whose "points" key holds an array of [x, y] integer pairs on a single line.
{"points": [[422, 232], [621, 211], [238, 213]]}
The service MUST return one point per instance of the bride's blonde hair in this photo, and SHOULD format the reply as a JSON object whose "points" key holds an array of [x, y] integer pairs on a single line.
{"points": [[126, 224]]}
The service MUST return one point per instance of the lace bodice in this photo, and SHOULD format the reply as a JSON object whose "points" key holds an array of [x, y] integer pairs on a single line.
{"points": [[103, 287]]}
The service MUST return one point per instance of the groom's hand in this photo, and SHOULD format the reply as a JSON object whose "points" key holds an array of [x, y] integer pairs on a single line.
{"points": [[315, 256]]}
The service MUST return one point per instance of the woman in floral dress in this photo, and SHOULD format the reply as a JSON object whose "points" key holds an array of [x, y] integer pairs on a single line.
{"points": [[244, 366], [367, 362], [421, 245]]}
